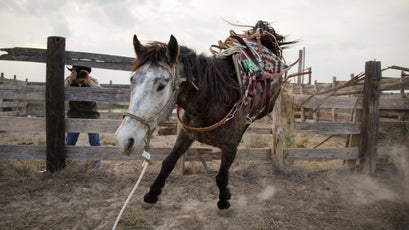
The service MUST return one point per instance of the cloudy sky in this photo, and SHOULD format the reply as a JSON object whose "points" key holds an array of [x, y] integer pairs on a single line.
{"points": [[338, 36]]}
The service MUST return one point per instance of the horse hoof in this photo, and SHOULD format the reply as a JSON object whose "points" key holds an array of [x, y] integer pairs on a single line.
{"points": [[146, 205], [225, 212]]}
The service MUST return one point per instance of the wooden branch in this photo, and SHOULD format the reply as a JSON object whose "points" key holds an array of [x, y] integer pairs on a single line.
{"points": [[399, 68], [322, 142]]}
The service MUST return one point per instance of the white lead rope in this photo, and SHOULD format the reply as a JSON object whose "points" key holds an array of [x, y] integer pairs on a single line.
{"points": [[146, 156]]}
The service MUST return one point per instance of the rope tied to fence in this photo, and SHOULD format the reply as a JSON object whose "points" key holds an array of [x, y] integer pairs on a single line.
{"points": [[146, 161]]}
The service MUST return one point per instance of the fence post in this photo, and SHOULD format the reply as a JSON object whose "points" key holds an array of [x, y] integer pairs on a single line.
{"points": [[277, 151], [334, 110], [370, 117], [300, 67], [54, 102], [180, 164]]}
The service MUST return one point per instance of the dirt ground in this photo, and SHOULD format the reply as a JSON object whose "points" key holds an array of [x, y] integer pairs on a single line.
{"points": [[307, 195]]}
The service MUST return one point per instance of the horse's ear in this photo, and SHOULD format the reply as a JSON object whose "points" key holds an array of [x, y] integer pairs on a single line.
{"points": [[139, 48], [172, 52]]}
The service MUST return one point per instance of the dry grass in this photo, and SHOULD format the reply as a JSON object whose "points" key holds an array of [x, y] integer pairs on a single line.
{"points": [[308, 195], [83, 197]]}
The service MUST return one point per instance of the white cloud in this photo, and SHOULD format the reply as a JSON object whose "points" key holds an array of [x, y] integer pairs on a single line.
{"points": [[339, 37]]}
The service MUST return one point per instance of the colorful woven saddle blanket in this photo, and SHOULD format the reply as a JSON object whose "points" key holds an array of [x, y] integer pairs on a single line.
{"points": [[264, 65], [258, 70], [252, 60]]}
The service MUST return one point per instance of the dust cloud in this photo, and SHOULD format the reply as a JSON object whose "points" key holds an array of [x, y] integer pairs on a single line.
{"points": [[267, 193], [391, 184], [400, 158]]}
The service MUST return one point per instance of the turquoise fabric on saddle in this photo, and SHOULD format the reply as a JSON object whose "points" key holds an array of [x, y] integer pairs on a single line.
{"points": [[250, 67]]}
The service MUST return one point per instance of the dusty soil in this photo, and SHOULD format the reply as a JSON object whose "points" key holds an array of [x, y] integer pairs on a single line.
{"points": [[82, 197], [307, 195]]}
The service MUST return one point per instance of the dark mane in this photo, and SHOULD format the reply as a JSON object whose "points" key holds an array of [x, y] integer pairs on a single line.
{"points": [[215, 78], [266, 40], [154, 52]]}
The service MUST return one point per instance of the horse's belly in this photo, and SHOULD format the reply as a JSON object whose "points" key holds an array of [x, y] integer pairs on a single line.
{"points": [[221, 137]]}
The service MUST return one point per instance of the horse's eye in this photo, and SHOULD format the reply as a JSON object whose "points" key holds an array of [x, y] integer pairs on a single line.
{"points": [[160, 87]]}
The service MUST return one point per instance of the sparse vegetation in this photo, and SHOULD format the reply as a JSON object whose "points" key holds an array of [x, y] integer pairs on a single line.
{"points": [[397, 138], [134, 219], [309, 194], [107, 140], [258, 141]]}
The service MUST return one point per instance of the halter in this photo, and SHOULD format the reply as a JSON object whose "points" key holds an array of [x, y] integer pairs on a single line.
{"points": [[149, 122]]}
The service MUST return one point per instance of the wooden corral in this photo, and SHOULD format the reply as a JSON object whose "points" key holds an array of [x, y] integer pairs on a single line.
{"points": [[357, 109], [10, 107], [109, 99], [328, 109]]}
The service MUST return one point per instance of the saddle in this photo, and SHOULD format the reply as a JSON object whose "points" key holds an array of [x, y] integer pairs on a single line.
{"points": [[258, 70]]}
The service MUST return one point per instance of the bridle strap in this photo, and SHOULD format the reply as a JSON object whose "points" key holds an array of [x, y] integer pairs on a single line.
{"points": [[147, 123], [226, 118], [143, 121]]}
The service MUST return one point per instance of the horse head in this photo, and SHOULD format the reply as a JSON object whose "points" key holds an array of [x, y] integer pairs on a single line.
{"points": [[153, 92]]}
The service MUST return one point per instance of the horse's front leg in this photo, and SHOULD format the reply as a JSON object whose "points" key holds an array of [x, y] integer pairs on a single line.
{"points": [[222, 178], [183, 142]]}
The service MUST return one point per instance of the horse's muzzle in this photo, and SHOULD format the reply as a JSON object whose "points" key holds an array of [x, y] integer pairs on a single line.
{"points": [[129, 138]]}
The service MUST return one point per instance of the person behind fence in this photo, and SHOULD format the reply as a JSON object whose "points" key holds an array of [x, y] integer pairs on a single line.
{"points": [[80, 77]]}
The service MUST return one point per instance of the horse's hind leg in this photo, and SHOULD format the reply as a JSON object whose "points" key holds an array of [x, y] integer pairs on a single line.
{"points": [[222, 178], [183, 142]]}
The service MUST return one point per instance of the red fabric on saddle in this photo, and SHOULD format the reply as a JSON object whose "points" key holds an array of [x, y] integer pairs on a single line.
{"points": [[260, 83]]}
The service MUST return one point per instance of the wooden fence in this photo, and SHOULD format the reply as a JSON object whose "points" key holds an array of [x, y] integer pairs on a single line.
{"points": [[310, 114], [54, 124], [356, 109]]}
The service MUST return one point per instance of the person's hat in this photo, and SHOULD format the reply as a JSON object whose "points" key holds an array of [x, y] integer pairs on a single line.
{"points": [[78, 67]]}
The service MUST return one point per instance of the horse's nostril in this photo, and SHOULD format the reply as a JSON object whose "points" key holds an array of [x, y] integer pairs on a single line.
{"points": [[130, 143]]}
